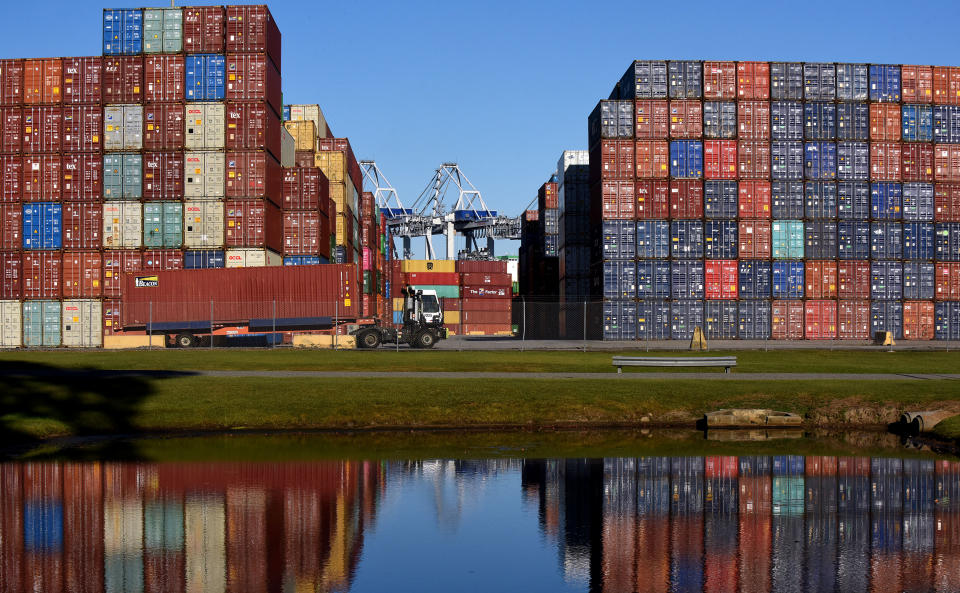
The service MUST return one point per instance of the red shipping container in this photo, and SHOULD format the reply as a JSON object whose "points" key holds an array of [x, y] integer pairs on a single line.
{"points": [[253, 126], [82, 274], [482, 267], [653, 160], [301, 232], [304, 158], [11, 82], [486, 329], [122, 79], [82, 177], [161, 260], [253, 174], [885, 161], [11, 130], [485, 317], [43, 81], [489, 304], [753, 159], [753, 81], [853, 319], [607, 158], [480, 279], [82, 128], [111, 317], [721, 279], [820, 320], [163, 175], [163, 126], [853, 279], [41, 129], [11, 275], [754, 239], [251, 28], [821, 279], [721, 467], [253, 223], [82, 225], [41, 178], [947, 200], [164, 78], [82, 80], [686, 199], [918, 321], [786, 319], [625, 159], [686, 119], [116, 263], [618, 200], [754, 199], [720, 159], [720, 80], [885, 122], [947, 277], [547, 195], [11, 173], [432, 278], [326, 233], [203, 30], [42, 273], [946, 85], [252, 77], [946, 160], [487, 292], [653, 120], [916, 83], [753, 120], [917, 162], [10, 226]]}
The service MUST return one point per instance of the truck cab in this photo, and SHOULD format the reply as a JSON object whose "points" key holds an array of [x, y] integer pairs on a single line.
{"points": [[432, 311]]}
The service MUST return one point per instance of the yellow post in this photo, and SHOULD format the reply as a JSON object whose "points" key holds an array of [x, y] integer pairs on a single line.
{"points": [[699, 341]]}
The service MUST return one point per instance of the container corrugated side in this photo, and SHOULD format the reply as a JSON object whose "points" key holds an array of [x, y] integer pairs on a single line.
{"points": [[82, 323], [11, 324]]}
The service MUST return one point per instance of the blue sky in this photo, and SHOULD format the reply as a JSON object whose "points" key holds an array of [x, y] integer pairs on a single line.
{"points": [[503, 87]]}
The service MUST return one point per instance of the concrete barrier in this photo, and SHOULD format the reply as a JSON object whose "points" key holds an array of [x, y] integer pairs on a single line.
{"points": [[324, 341], [127, 342]]}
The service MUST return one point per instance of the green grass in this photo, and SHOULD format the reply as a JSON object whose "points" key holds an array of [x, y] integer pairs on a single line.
{"points": [[949, 429], [798, 361]]}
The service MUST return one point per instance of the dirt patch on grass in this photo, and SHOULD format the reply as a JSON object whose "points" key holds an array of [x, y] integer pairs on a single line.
{"points": [[855, 411]]}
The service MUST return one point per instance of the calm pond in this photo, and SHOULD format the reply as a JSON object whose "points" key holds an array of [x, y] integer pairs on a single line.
{"points": [[184, 514]]}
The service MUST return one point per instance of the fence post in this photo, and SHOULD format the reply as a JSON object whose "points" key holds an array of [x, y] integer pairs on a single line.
{"points": [[584, 325], [523, 331], [211, 324], [150, 327], [336, 316], [273, 339]]}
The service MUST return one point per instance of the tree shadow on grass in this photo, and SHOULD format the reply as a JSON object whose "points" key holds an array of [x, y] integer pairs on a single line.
{"points": [[38, 401]]}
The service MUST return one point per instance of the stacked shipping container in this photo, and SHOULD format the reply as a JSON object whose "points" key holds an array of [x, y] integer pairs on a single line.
{"points": [[573, 194]]}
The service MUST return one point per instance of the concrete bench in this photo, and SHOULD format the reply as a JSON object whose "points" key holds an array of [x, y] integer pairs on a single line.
{"points": [[727, 362]]}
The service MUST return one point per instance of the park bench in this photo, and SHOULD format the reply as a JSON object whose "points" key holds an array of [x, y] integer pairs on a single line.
{"points": [[727, 362]]}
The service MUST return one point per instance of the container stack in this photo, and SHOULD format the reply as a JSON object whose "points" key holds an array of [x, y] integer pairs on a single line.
{"points": [[373, 244], [335, 158], [777, 200], [486, 293], [573, 195], [530, 254]]}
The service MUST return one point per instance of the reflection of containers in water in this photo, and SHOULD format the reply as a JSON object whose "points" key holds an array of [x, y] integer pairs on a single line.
{"points": [[686, 481], [821, 549], [853, 484], [204, 545], [619, 486], [720, 495], [786, 548], [720, 533], [788, 465], [83, 526], [788, 495], [246, 545], [947, 546], [754, 535], [853, 551], [686, 553], [122, 542], [918, 485], [886, 484], [918, 548], [653, 495]]}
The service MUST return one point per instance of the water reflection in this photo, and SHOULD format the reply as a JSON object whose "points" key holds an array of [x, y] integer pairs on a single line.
{"points": [[654, 524]]}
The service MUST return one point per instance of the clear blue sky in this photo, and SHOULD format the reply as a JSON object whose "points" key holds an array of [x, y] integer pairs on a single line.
{"points": [[503, 87]]}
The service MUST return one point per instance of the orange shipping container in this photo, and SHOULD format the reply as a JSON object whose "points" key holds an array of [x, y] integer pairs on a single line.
{"points": [[754, 199], [787, 320], [947, 196], [947, 277], [686, 199], [946, 85], [754, 239], [686, 119], [753, 159], [82, 272], [820, 320], [821, 279], [720, 159], [853, 320], [43, 81], [653, 120], [720, 80], [917, 84], [653, 160], [885, 122], [753, 81], [918, 320], [946, 162]]}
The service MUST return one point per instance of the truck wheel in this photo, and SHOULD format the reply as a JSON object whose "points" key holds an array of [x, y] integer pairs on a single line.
{"points": [[186, 340], [370, 339], [425, 340]]}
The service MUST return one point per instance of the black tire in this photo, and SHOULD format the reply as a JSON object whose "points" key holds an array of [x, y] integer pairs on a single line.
{"points": [[369, 339], [186, 340], [425, 340]]}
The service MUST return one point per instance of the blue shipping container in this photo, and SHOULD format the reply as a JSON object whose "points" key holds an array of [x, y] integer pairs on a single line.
{"points": [[853, 121], [947, 241], [884, 83], [853, 161], [918, 201], [286, 113], [853, 200], [653, 320], [886, 280], [788, 465], [886, 200], [686, 279], [820, 199], [820, 161], [203, 259], [719, 119], [819, 121], [42, 225], [686, 159], [786, 161], [786, 120], [886, 316], [722, 320], [686, 238], [685, 316], [619, 280], [853, 82], [653, 279], [946, 124], [122, 32], [786, 81], [819, 82], [786, 199], [619, 320], [205, 77], [43, 526], [619, 239], [754, 320], [303, 260], [918, 241], [820, 240], [653, 239], [754, 278], [886, 240], [685, 79], [720, 239], [917, 123], [788, 280], [919, 280], [720, 199], [853, 239], [947, 320]]}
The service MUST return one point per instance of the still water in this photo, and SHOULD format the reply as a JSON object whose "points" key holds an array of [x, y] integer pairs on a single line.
{"points": [[617, 524]]}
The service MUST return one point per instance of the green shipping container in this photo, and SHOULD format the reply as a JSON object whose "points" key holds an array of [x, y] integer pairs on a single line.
{"points": [[787, 239], [162, 30], [367, 282], [443, 291], [163, 224], [122, 176], [41, 323]]}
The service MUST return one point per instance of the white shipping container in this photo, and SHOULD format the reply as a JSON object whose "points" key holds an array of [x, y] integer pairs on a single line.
{"points": [[288, 149], [123, 127], [252, 258], [82, 324], [204, 126], [202, 224], [11, 324], [513, 268], [310, 113], [204, 522], [571, 157], [122, 225], [204, 175]]}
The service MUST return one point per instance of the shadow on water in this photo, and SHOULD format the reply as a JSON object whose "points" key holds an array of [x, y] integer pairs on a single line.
{"points": [[38, 400]]}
